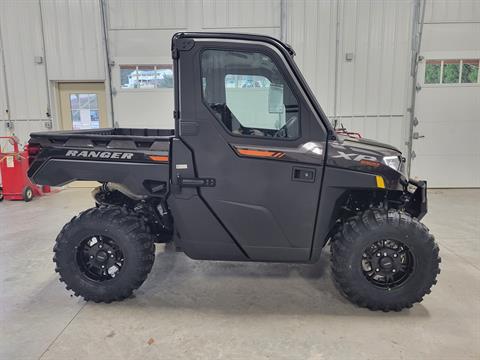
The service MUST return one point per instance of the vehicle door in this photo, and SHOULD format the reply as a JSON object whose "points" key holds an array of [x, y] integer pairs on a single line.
{"points": [[255, 136]]}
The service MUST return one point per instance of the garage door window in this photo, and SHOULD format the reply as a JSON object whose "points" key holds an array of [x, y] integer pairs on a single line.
{"points": [[146, 76], [433, 71], [470, 71], [452, 71]]}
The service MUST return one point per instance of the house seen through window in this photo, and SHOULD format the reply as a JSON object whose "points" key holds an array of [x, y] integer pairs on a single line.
{"points": [[146, 76]]}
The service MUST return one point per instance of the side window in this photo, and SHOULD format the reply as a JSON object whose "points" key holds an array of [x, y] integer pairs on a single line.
{"points": [[249, 95]]}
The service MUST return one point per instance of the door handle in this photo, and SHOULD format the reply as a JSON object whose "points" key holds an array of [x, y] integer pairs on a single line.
{"points": [[303, 174], [195, 182], [416, 135]]}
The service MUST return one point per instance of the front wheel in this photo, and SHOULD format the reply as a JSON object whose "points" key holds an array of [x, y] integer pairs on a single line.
{"points": [[384, 260], [104, 254]]}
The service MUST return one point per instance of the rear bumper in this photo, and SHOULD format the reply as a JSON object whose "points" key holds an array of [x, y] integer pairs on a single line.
{"points": [[417, 205]]}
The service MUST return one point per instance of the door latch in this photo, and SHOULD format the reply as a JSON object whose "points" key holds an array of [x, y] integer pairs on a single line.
{"points": [[195, 182], [303, 174], [416, 135]]}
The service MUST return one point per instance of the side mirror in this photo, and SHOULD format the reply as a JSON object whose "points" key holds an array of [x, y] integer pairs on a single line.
{"points": [[275, 99]]}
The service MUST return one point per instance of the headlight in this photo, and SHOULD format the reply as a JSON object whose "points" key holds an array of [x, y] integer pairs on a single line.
{"points": [[393, 162]]}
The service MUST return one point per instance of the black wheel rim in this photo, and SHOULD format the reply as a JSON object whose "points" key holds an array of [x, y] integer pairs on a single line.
{"points": [[100, 258], [387, 263]]}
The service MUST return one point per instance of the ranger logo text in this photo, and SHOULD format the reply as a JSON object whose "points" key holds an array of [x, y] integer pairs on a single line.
{"points": [[99, 154]]}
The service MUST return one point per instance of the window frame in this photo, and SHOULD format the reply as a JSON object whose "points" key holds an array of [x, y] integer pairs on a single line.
{"points": [[280, 70]]}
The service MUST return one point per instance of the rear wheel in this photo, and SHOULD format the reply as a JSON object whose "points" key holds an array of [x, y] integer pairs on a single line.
{"points": [[384, 260], [104, 254], [1, 193]]}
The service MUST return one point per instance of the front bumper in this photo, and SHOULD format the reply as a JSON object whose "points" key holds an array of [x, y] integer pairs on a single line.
{"points": [[417, 202]]}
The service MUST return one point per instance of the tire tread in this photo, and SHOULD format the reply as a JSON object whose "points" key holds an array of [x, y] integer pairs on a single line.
{"points": [[137, 231], [344, 240]]}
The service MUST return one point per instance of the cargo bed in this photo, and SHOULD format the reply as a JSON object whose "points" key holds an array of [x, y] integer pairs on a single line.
{"points": [[53, 137], [106, 155]]}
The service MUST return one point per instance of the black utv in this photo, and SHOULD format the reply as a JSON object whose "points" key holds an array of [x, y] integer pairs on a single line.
{"points": [[253, 171]]}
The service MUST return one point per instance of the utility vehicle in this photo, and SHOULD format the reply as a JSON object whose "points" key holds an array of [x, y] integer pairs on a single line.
{"points": [[253, 171]]}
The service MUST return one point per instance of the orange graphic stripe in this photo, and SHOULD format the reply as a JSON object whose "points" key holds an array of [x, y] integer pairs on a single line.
{"points": [[370, 163], [159, 158], [261, 153]]}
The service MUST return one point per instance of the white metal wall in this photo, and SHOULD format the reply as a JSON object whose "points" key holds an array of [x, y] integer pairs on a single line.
{"points": [[366, 94], [372, 92], [140, 33], [25, 80], [66, 35], [355, 54], [145, 14], [3, 90], [73, 40], [311, 30], [452, 11], [447, 154], [369, 92], [248, 14]]}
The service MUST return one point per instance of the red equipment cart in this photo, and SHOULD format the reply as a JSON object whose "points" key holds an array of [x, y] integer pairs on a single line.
{"points": [[13, 167]]}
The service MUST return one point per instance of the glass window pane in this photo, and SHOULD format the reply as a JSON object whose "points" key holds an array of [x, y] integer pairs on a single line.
{"points": [[470, 71], [164, 77], [245, 89], [451, 71], [92, 99], [248, 94], [84, 102], [246, 81], [146, 76], [94, 119], [74, 101], [432, 72], [127, 76], [75, 115]]}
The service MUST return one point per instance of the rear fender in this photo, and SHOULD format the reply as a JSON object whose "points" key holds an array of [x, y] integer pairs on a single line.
{"points": [[148, 179]]}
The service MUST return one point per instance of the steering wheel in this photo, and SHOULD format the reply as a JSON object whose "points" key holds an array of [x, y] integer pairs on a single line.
{"points": [[283, 131]]}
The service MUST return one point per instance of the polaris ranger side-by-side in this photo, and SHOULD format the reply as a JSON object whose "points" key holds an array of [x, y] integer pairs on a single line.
{"points": [[253, 171]]}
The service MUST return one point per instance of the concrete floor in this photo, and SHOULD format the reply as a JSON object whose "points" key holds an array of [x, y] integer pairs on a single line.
{"points": [[192, 309]]}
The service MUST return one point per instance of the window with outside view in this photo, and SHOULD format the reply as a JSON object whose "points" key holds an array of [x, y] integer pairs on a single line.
{"points": [[470, 71], [146, 76], [84, 111], [452, 71], [433, 70]]}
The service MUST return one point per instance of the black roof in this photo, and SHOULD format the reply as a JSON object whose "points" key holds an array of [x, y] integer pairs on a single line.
{"points": [[236, 36]]}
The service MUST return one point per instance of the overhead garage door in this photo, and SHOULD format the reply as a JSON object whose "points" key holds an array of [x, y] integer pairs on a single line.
{"points": [[447, 138]]}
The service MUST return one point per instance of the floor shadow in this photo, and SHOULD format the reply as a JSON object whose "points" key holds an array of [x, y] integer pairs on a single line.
{"points": [[178, 282]]}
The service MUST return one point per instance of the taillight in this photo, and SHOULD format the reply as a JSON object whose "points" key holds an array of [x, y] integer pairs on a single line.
{"points": [[33, 150]]}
